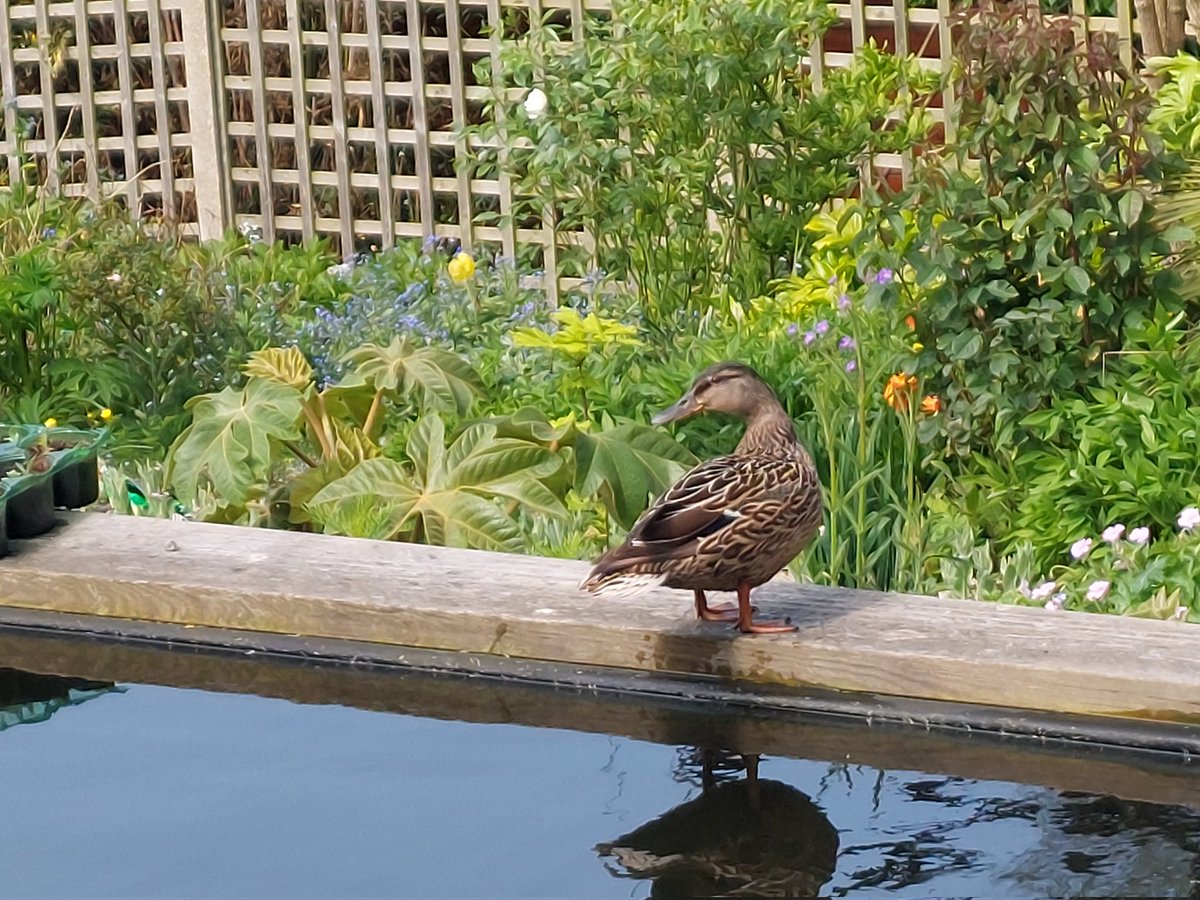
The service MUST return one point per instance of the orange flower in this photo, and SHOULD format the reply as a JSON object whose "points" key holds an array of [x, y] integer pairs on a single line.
{"points": [[911, 323], [898, 390], [931, 405]]}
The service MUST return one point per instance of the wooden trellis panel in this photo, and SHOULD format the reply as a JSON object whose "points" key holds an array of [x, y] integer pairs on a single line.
{"points": [[95, 102], [318, 118]]}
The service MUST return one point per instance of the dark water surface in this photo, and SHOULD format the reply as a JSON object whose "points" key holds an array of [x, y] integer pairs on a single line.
{"points": [[153, 791]]}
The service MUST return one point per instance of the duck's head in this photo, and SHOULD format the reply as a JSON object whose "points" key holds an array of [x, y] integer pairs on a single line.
{"points": [[727, 387]]}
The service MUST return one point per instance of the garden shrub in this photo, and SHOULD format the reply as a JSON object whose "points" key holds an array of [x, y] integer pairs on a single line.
{"points": [[691, 140], [1037, 253]]}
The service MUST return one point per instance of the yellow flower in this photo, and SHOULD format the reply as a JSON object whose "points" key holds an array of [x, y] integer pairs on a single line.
{"points": [[51, 422], [931, 405], [918, 347], [897, 391], [461, 268], [106, 414]]}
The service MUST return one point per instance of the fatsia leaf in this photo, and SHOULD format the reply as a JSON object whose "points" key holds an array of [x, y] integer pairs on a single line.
{"points": [[531, 424], [229, 440], [285, 365], [451, 495], [625, 465], [384, 481], [440, 379]]}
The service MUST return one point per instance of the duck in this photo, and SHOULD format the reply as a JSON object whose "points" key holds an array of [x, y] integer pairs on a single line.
{"points": [[748, 837], [732, 522]]}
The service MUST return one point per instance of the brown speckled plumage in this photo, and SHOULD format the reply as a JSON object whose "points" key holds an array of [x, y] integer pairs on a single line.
{"points": [[733, 522]]}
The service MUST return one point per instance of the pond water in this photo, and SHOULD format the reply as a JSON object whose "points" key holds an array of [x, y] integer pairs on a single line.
{"points": [[138, 790]]}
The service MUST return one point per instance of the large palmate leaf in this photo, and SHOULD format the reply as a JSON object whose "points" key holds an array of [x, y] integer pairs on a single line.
{"points": [[351, 447], [450, 494], [229, 440], [285, 365], [625, 465], [439, 379]]}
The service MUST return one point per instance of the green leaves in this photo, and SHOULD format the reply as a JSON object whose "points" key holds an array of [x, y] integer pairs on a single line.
{"points": [[439, 379], [229, 443], [449, 494], [627, 464], [578, 337], [1034, 254]]}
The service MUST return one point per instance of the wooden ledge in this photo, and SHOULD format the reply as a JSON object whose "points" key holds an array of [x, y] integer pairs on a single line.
{"points": [[890, 645]]}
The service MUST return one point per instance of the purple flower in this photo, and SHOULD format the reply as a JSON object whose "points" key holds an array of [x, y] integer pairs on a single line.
{"points": [[843, 303], [48, 233], [1081, 548], [822, 326], [809, 337], [884, 276], [792, 330], [832, 280], [851, 365], [846, 343]]}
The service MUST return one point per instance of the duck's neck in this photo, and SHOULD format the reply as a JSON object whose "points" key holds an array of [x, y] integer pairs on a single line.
{"points": [[769, 432]]}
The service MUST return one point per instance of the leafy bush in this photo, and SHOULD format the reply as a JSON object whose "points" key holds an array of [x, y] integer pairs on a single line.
{"points": [[1037, 252], [689, 139]]}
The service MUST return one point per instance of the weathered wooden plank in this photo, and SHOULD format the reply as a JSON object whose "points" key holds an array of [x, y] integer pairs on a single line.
{"points": [[528, 607], [660, 719], [258, 102], [133, 173], [420, 117], [49, 103], [87, 101], [383, 147], [458, 105], [341, 152]]}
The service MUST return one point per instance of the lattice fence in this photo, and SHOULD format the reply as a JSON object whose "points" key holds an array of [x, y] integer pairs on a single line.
{"points": [[310, 118], [95, 101]]}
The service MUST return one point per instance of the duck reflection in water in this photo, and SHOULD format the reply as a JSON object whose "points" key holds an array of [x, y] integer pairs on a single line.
{"points": [[741, 837]]}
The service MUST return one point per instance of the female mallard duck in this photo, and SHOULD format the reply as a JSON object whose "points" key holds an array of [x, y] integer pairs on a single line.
{"points": [[731, 523]]}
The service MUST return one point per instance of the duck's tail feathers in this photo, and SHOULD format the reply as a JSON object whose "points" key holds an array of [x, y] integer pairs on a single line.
{"points": [[621, 585]]}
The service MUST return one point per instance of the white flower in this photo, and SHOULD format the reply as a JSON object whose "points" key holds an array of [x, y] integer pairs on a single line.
{"points": [[1056, 602], [1181, 613], [115, 277], [535, 103], [1139, 535], [1043, 590], [1098, 590], [1113, 533], [1188, 519], [1081, 548]]}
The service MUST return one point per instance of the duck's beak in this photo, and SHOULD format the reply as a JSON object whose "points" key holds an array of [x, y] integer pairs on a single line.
{"points": [[685, 406]]}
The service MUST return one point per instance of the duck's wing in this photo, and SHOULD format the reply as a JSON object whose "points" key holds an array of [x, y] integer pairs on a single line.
{"points": [[707, 500]]}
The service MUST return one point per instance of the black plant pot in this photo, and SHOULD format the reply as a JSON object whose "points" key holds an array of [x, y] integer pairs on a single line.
{"points": [[30, 504], [76, 478], [3, 521]]}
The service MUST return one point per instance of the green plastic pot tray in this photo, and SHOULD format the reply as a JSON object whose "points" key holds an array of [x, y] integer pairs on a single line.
{"points": [[26, 698], [75, 465]]}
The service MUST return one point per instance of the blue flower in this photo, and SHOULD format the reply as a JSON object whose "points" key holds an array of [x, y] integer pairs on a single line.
{"points": [[48, 233], [822, 326], [793, 329], [884, 276], [846, 343]]}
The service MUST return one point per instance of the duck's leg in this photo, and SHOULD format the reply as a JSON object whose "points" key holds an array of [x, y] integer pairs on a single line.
{"points": [[752, 789], [724, 613], [746, 623]]}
